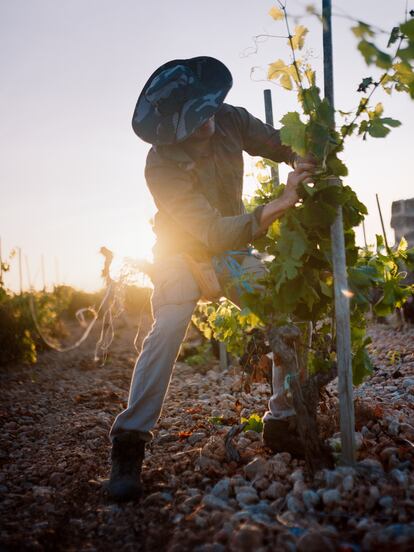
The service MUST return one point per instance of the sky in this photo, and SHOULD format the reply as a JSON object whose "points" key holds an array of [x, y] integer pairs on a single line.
{"points": [[72, 170]]}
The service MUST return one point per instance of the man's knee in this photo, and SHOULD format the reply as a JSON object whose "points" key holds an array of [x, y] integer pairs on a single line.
{"points": [[172, 321]]}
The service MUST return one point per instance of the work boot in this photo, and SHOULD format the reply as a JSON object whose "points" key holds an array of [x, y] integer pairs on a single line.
{"points": [[127, 455], [281, 435]]}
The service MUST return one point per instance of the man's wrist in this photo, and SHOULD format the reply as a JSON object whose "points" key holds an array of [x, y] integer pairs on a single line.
{"points": [[282, 204]]}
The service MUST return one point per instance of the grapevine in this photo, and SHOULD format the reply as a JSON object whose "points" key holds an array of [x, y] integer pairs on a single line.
{"points": [[298, 287]]}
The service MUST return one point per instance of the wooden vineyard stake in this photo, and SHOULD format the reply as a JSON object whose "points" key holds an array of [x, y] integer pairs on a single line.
{"points": [[382, 225], [365, 236], [19, 252], [342, 315], [223, 356], [269, 120]]}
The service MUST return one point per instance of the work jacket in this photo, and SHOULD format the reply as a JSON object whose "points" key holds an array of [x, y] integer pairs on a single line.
{"points": [[199, 200]]}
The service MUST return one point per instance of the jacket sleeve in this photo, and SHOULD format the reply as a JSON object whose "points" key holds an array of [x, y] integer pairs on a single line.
{"points": [[173, 192], [262, 139]]}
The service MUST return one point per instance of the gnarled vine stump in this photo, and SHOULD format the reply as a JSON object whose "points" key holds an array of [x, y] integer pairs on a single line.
{"points": [[286, 347]]}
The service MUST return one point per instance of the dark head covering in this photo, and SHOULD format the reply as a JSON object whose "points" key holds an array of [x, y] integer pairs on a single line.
{"points": [[179, 97]]}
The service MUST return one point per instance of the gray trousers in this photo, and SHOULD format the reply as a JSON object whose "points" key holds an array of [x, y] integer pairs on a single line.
{"points": [[174, 299]]}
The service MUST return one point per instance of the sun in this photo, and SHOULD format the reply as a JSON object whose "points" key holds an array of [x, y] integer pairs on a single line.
{"points": [[131, 245]]}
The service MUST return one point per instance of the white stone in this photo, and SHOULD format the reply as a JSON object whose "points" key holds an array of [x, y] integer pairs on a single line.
{"points": [[275, 490], [294, 504], [196, 437], [348, 483], [310, 498], [246, 495], [256, 468], [408, 382], [221, 488], [215, 503], [331, 496], [400, 477]]}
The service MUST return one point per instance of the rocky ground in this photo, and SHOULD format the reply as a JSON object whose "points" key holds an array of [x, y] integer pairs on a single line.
{"points": [[54, 454]]}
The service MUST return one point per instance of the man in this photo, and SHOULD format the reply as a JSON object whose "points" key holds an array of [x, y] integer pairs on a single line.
{"points": [[194, 171]]}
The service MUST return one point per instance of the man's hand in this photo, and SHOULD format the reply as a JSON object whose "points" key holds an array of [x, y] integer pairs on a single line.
{"points": [[309, 158], [302, 174], [275, 209]]}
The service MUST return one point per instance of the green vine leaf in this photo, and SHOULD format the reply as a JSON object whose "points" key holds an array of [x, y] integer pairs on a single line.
{"points": [[365, 84], [361, 365], [336, 167], [293, 132], [374, 55], [362, 30], [395, 33], [408, 29], [378, 127], [253, 423], [310, 99]]}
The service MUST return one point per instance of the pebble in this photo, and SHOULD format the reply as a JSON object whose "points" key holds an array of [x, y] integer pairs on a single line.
{"points": [[56, 479], [371, 465], [215, 503], [408, 382], [310, 498], [332, 478], [189, 503], [210, 547], [275, 490], [158, 497], [407, 431], [253, 435], [214, 448], [372, 497], [364, 524], [387, 452], [400, 477], [261, 483], [222, 488], [315, 541], [256, 468], [206, 464], [42, 492], [299, 487], [396, 535], [394, 428], [365, 432], [246, 539], [386, 502], [196, 437], [294, 505], [260, 513], [348, 483], [201, 521], [296, 475], [278, 466], [330, 497], [246, 495], [3, 454], [243, 442]]}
